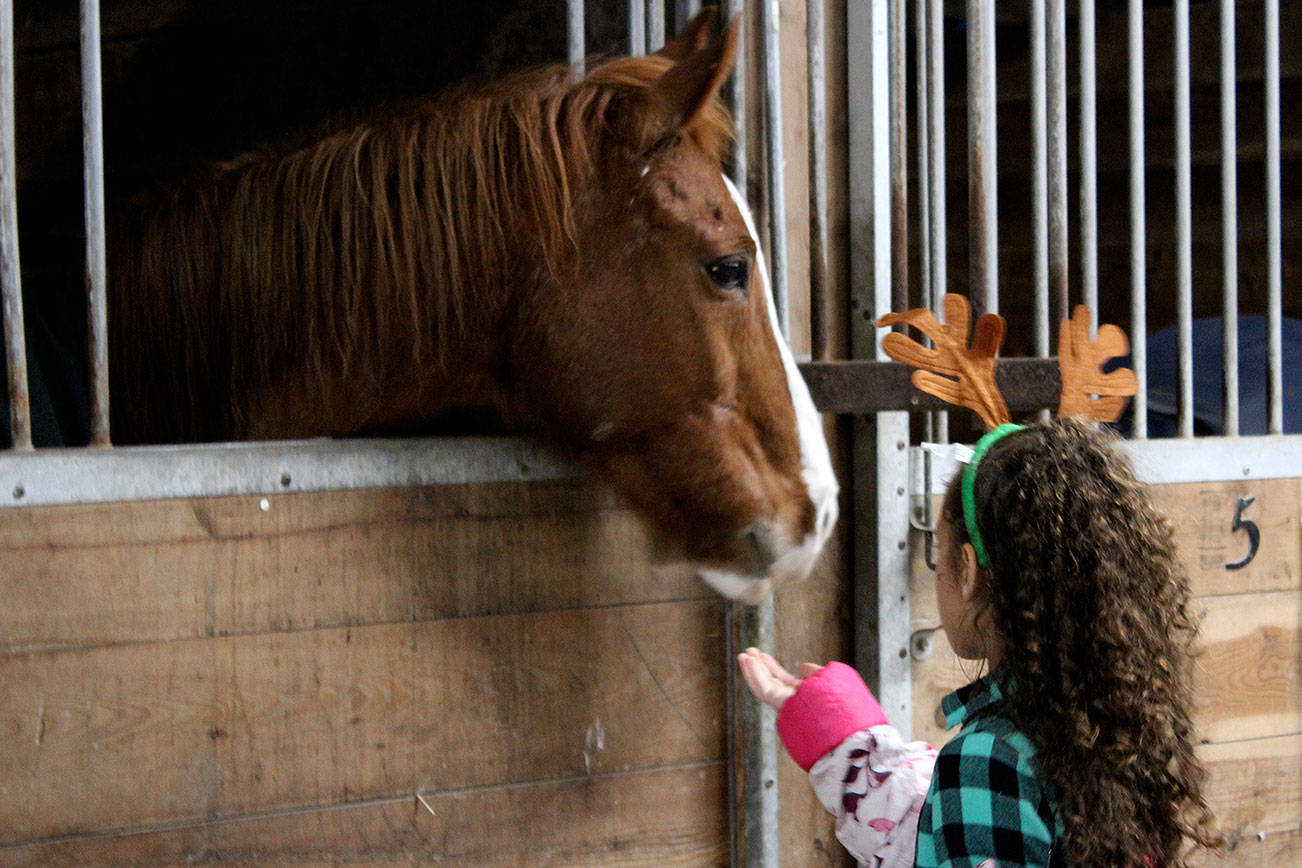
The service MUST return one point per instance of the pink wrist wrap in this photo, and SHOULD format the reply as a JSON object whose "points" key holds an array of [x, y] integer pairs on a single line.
{"points": [[828, 707]]}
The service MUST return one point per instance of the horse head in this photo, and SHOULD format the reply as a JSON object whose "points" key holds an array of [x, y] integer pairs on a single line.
{"points": [[566, 253], [658, 361]]}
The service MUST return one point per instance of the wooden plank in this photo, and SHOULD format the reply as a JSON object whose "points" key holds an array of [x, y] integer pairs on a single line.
{"points": [[1254, 786], [1246, 678], [225, 566], [1274, 851], [132, 736], [1203, 517], [869, 386], [593, 820]]}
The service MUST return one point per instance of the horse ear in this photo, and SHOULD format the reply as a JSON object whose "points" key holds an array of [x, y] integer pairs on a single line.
{"points": [[693, 37], [688, 88]]}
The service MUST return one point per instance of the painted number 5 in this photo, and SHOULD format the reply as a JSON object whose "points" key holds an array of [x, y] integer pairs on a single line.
{"points": [[1254, 534]]}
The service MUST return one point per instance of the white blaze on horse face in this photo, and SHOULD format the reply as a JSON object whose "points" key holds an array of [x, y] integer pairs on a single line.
{"points": [[815, 460]]}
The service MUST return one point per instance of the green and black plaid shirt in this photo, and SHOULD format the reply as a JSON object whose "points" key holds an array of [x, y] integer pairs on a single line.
{"points": [[987, 805]]}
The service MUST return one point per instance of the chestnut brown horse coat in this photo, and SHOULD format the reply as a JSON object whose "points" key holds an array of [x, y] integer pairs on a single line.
{"points": [[565, 253]]}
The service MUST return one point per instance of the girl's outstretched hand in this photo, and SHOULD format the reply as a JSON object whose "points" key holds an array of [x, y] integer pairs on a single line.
{"points": [[767, 680]]}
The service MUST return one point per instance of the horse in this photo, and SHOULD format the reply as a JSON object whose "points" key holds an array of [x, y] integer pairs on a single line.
{"points": [[565, 253]]}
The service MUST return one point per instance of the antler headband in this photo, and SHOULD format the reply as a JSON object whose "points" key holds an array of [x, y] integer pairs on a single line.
{"points": [[964, 374]]}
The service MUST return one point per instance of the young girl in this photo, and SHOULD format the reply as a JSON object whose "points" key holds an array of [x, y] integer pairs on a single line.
{"points": [[1076, 748]]}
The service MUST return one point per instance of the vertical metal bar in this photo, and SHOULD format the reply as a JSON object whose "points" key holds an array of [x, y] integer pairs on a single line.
{"points": [[1138, 230], [1056, 73], [1229, 224], [983, 179], [655, 25], [1089, 198], [816, 55], [574, 27], [936, 146], [20, 422], [899, 158], [687, 10], [1039, 181], [1183, 220], [924, 165], [1274, 261], [733, 8], [745, 730], [936, 153], [881, 560], [753, 626], [636, 27], [777, 209], [92, 113]]}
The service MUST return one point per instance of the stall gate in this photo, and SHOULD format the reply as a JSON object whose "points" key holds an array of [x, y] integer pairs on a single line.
{"points": [[457, 650]]}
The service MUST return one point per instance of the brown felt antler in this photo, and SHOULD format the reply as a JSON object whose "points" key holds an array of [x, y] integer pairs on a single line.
{"points": [[953, 371], [1081, 364]]}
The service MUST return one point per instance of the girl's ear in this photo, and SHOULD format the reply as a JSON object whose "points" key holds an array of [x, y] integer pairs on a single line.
{"points": [[971, 577]]}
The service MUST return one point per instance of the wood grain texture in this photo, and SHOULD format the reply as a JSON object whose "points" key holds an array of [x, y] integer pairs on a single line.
{"points": [[1255, 786], [140, 735], [669, 817], [184, 569], [1202, 516], [1246, 678]]}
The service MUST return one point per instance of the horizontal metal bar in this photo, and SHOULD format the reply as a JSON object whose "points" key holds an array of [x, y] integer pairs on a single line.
{"points": [[64, 476], [872, 386], [1172, 460]]}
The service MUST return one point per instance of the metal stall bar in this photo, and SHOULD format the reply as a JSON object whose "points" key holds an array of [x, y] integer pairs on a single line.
{"points": [[1229, 223], [935, 75], [1039, 181], [655, 25], [1274, 262], [1138, 231], [983, 178], [1056, 73], [574, 26], [752, 739], [636, 27], [1183, 220], [898, 41], [924, 158], [92, 120], [731, 9], [815, 43], [20, 421], [880, 489], [1089, 193], [770, 20]]}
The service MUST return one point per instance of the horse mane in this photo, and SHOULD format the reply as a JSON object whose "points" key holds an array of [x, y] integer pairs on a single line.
{"points": [[377, 243]]}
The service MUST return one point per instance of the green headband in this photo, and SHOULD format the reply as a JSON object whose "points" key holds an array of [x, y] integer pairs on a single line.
{"points": [[969, 488]]}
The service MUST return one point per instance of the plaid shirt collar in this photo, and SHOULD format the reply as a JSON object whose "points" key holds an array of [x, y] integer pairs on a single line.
{"points": [[972, 700]]}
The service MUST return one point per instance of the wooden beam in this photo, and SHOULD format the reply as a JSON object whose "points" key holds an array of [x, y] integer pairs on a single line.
{"points": [[872, 386], [153, 734], [601, 819]]}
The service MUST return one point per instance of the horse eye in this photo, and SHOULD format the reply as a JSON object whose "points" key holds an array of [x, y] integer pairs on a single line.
{"points": [[731, 273]]}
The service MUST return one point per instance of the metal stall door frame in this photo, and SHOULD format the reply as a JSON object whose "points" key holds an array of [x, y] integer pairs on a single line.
{"points": [[891, 476]]}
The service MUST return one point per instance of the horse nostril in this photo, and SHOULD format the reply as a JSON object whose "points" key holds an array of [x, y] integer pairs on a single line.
{"points": [[759, 540]]}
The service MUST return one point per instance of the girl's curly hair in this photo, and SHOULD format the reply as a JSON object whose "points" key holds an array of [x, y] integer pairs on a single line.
{"points": [[1092, 605]]}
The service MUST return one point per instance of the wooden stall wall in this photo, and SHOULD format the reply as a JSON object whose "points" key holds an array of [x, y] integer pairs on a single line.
{"points": [[1248, 680], [486, 674]]}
